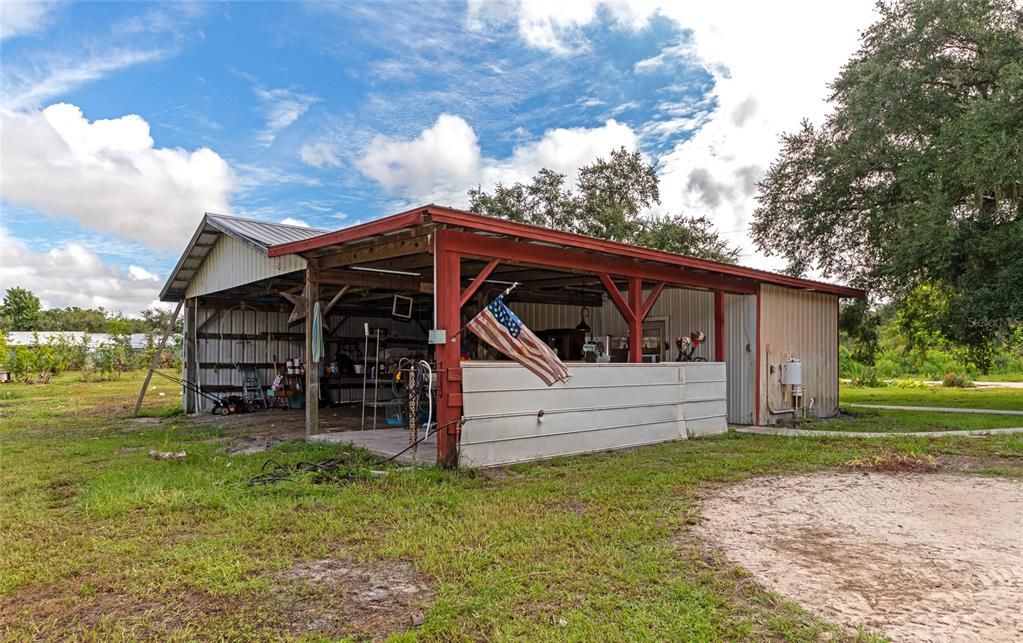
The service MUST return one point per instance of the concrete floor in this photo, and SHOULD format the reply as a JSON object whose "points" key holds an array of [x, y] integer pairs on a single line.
{"points": [[385, 443]]}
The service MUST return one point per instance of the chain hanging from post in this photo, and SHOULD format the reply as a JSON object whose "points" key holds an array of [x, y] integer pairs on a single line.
{"points": [[412, 390]]}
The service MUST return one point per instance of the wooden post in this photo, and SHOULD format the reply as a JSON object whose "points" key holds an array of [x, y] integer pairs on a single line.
{"points": [[447, 316], [635, 320], [156, 356], [191, 373], [719, 326], [312, 369]]}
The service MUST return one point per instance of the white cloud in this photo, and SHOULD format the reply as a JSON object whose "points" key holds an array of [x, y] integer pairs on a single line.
{"points": [[25, 88], [554, 26], [73, 275], [282, 108], [771, 63], [140, 273], [293, 221], [445, 160], [319, 155], [109, 176], [23, 18]]}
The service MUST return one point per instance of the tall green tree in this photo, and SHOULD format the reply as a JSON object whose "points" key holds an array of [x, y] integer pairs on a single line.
{"points": [[20, 309], [609, 202], [917, 175]]}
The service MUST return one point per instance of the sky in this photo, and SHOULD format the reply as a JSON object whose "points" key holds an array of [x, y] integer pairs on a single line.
{"points": [[122, 123]]}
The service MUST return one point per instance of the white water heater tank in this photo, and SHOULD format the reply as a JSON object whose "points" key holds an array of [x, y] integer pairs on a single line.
{"points": [[792, 372]]}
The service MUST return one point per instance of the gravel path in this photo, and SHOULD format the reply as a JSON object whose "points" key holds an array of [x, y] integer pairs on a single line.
{"points": [[917, 557]]}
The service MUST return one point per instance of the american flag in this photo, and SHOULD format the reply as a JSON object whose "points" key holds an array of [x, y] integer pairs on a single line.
{"points": [[498, 326]]}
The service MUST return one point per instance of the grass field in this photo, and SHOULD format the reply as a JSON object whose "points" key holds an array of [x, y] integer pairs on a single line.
{"points": [[884, 420], [102, 542], [975, 398]]}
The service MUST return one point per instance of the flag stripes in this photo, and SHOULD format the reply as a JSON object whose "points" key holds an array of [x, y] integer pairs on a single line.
{"points": [[501, 328]]}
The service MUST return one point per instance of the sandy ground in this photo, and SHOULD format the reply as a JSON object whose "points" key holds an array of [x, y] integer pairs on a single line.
{"points": [[917, 557]]}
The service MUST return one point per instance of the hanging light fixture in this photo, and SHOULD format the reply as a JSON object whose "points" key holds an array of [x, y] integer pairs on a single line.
{"points": [[584, 316]]}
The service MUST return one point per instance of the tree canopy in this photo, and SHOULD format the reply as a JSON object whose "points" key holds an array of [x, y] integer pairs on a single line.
{"points": [[21, 311], [916, 177], [610, 202]]}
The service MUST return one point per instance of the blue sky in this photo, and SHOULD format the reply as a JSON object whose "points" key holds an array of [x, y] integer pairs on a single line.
{"points": [[123, 122]]}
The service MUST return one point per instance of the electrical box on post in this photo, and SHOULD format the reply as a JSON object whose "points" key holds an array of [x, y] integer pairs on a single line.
{"points": [[792, 372]]}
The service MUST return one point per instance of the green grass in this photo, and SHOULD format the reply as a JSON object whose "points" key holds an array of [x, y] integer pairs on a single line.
{"points": [[1000, 377], [976, 398], [104, 542], [884, 420]]}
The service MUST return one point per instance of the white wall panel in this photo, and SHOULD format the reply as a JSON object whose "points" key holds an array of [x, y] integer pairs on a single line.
{"points": [[604, 406], [740, 356], [233, 263], [803, 324]]}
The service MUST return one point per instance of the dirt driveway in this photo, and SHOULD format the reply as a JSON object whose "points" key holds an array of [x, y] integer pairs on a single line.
{"points": [[921, 557]]}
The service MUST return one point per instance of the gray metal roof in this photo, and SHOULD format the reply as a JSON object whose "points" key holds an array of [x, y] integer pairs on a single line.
{"points": [[259, 234]]}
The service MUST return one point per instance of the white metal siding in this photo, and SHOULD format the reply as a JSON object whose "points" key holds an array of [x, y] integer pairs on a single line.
{"points": [[604, 406], [233, 263], [686, 310], [802, 324], [740, 356], [274, 349], [547, 316]]}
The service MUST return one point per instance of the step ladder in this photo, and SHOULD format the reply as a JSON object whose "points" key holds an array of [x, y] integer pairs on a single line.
{"points": [[252, 388]]}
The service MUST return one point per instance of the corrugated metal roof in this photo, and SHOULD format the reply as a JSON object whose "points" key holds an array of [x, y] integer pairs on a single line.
{"points": [[259, 234]]}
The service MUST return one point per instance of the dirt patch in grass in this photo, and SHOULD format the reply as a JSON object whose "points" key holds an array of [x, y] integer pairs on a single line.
{"points": [[248, 445], [894, 463], [89, 608], [61, 492], [916, 557], [341, 597], [321, 598]]}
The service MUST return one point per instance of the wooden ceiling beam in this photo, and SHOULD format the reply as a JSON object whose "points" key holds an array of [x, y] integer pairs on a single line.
{"points": [[368, 279], [402, 246]]}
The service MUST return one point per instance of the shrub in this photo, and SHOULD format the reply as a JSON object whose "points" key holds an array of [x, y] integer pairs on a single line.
{"points": [[111, 359], [957, 380], [903, 383], [847, 364], [868, 378]]}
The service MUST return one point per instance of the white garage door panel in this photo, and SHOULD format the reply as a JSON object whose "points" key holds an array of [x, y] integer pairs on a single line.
{"points": [[604, 406]]}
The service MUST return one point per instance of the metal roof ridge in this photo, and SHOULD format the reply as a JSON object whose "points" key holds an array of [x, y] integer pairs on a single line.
{"points": [[234, 217]]}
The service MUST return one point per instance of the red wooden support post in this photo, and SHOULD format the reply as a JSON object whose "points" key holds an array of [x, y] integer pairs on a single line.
{"points": [[636, 320], [447, 316], [719, 326]]}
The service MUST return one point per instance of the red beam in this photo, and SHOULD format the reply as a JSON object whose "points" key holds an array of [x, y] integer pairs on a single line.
{"points": [[477, 281], [719, 326], [616, 297], [487, 248], [449, 216], [458, 218], [636, 323], [370, 229], [651, 300], [447, 293]]}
